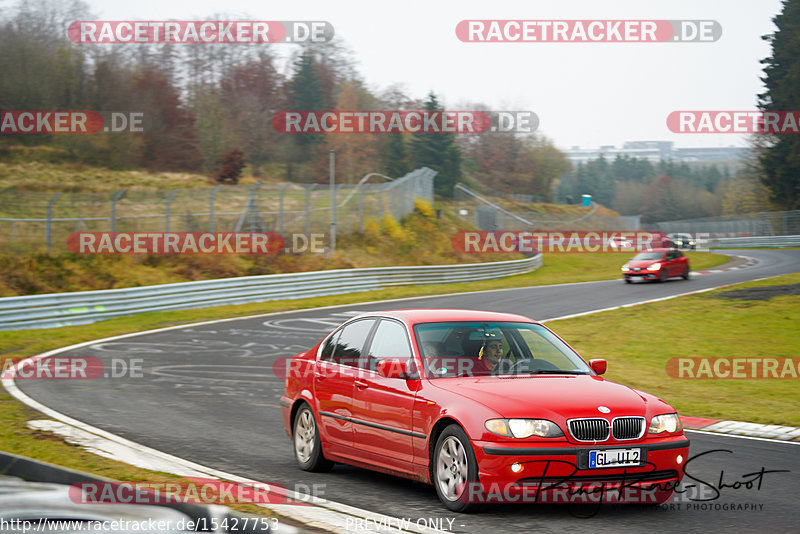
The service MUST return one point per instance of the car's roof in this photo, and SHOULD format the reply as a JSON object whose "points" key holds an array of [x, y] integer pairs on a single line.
{"points": [[436, 315]]}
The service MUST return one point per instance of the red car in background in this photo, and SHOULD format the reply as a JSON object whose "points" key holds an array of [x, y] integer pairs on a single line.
{"points": [[487, 407], [657, 264]]}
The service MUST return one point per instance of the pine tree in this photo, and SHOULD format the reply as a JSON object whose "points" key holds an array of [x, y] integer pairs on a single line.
{"points": [[396, 156], [779, 155], [439, 152]]}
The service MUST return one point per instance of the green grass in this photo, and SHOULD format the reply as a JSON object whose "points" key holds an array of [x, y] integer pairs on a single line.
{"points": [[638, 341]]}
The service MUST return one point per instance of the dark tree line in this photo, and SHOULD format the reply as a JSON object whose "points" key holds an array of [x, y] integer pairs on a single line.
{"points": [[779, 155], [202, 102]]}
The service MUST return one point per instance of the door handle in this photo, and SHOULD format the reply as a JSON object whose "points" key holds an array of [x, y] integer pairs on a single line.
{"points": [[319, 376], [361, 384]]}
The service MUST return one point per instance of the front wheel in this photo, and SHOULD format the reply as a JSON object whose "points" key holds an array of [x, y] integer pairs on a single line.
{"points": [[455, 470], [307, 445], [662, 275]]}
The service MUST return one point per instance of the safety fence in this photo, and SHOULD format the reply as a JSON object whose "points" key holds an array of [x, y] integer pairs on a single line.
{"points": [[32, 220], [84, 307]]}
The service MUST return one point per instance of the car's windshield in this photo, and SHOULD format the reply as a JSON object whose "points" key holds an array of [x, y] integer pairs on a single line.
{"points": [[451, 349], [648, 256]]}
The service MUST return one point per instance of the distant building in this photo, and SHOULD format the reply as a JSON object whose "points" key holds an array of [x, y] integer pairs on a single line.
{"points": [[655, 151]]}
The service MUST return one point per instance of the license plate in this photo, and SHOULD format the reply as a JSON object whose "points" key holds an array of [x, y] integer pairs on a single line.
{"points": [[615, 458]]}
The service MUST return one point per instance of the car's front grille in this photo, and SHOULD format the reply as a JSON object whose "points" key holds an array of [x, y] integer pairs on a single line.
{"points": [[627, 427], [589, 429]]}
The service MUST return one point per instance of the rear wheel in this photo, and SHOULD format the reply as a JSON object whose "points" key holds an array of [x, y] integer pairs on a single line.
{"points": [[455, 470], [685, 274], [307, 445]]}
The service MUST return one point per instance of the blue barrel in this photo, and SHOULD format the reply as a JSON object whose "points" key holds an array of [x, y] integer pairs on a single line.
{"points": [[586, 200]]}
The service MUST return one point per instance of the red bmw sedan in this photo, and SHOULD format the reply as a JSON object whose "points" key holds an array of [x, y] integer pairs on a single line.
{"points": [[487, 407]]}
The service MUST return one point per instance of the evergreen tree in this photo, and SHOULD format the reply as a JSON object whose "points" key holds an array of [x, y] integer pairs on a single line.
{"points": [[306, 93], [396, 156], [439, 152], [779, 156]]}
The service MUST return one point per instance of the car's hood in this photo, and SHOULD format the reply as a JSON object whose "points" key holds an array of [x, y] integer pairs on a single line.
{"points": [[550, 396], [641, 263]]}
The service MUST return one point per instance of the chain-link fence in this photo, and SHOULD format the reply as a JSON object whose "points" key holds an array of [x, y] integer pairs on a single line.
{"points": [[751, 224], [36, 219], [488, 215]]}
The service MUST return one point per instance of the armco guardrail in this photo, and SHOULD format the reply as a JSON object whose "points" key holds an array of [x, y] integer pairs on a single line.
{"points": [[84, 307], [771, 241]]}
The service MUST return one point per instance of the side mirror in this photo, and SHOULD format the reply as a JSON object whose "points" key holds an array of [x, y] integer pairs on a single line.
{"points": [[598, 366], [394, 368]]}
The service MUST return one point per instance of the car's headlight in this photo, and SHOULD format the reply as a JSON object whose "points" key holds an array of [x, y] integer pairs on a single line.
{"points": [[656, 266], [626, 268], [669, 422], [524, 428]]}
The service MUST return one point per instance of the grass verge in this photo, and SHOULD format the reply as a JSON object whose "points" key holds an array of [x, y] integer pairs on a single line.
{"points": [[638, 341]]}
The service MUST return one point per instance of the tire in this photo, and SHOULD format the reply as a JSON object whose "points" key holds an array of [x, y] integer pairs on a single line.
{"points": [[307, 445], [628, 281], [685, 274], [455, 470], [662, 275]]}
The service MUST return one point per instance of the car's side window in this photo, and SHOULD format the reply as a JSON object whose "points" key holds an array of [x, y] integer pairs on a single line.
{"points": [[351, 342], [327, 348], [389, 342]]}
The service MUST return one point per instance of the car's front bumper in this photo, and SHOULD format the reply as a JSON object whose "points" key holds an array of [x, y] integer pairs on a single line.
{"points": [[560, 472], [644, 275]]}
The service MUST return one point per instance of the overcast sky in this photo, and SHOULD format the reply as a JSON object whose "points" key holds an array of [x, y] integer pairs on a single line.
{"points": [[586, 94]]}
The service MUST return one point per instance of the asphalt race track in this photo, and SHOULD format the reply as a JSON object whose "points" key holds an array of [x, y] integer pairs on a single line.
{"points": [[209, 395]]}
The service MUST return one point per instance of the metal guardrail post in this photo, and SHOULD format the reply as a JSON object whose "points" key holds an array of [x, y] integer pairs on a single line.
{"points": [[361, 210], [280, 208], [251, 204], [49, 225], [169, 209], [118, 195], [211, 207], [333, 200], [308, 209]]}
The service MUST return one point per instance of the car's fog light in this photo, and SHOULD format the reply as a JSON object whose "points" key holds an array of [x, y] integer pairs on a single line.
{"points": [[680, 459], [518, 467]]}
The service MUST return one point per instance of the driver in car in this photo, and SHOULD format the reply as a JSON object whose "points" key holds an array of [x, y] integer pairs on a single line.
{"points": [[490, 357]]}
